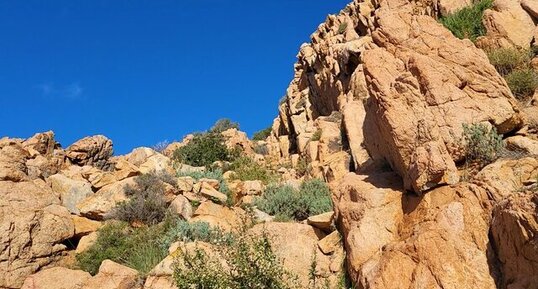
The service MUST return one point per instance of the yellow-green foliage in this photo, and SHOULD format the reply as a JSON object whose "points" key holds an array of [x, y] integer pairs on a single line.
{"points": [[246, 169], [506, 60], [467, 22]]}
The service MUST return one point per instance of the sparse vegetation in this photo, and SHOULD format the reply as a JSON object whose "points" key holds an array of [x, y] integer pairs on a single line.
{"points": [[249, 263], [160, 146], [261, 149], [262, 134], [247, 169], [146, 203], [467, 22], [522, 82], [137, 248], [143, 248], [482, 144], [342, 27], [316, 136], [223, 124], [506, 60], [287, 203], [203, 150]]}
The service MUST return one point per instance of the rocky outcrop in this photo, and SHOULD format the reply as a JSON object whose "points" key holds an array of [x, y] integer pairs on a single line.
{"points": [[94, 150], [404, 85], [56, 278], [441, 239]]}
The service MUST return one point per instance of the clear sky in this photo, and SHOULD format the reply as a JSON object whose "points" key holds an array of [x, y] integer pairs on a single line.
{"points": [[141, 72]]}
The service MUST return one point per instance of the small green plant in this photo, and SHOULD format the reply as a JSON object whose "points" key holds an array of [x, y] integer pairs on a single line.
{"points": [[482, 144], [522, 82], [262, 134], [505, 60], [223, 124], [146, 203], [286, 203], [302, 167], [247, 169], [342, 27], [316, 136], [203, 150], [467, 22], [250, 263]]}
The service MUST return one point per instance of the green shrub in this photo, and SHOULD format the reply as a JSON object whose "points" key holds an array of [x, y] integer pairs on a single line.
{"points": [[262, 134], [143, 248], [467, 22], [522, 82], [146, 201], [203, 150], [316, 136], [482, 144], [223, 124], [250, 264], [139, 249], [507, 59], [247, 169], [286, 203]]}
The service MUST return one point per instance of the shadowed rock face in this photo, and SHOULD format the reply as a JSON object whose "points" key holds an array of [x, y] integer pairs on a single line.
{"points": [[452, 237], [404, 85]]}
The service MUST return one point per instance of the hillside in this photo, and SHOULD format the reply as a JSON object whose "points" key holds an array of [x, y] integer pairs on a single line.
{"points": [[404, 155]]}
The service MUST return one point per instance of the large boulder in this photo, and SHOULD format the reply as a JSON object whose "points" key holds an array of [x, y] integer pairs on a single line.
{"points": [[56, 278], [42, 143], [34, 225], [92, 150], [103, 201], [227, 219], [112, 275], [71, 192], [13, 160], [297, 251], [395, 240], [508, 19]]}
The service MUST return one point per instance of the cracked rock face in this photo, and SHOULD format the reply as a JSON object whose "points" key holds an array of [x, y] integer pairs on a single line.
{"points": [[405, 86], [33, 226]]}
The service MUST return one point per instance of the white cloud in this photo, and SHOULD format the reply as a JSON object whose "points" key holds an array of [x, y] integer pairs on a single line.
{"points": [[69, 91]]}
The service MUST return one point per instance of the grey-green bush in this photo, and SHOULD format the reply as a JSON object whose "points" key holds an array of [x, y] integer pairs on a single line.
{"points": [[482, 144], [287, 203], [223, 124], [522, 82]]}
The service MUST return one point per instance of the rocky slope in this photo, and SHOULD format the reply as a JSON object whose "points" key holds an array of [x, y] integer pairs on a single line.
{"points": [[376, 109]]}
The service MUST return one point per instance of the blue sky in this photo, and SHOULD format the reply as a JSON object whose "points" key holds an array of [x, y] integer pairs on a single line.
{"points": [[141, 72]]}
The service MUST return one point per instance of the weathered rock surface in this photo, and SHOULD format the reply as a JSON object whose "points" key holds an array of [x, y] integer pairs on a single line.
{"points": [[33, 227], [515, 233], [57, 278], [71, 192], [295, 245], [94, 150], [103, 201]]}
